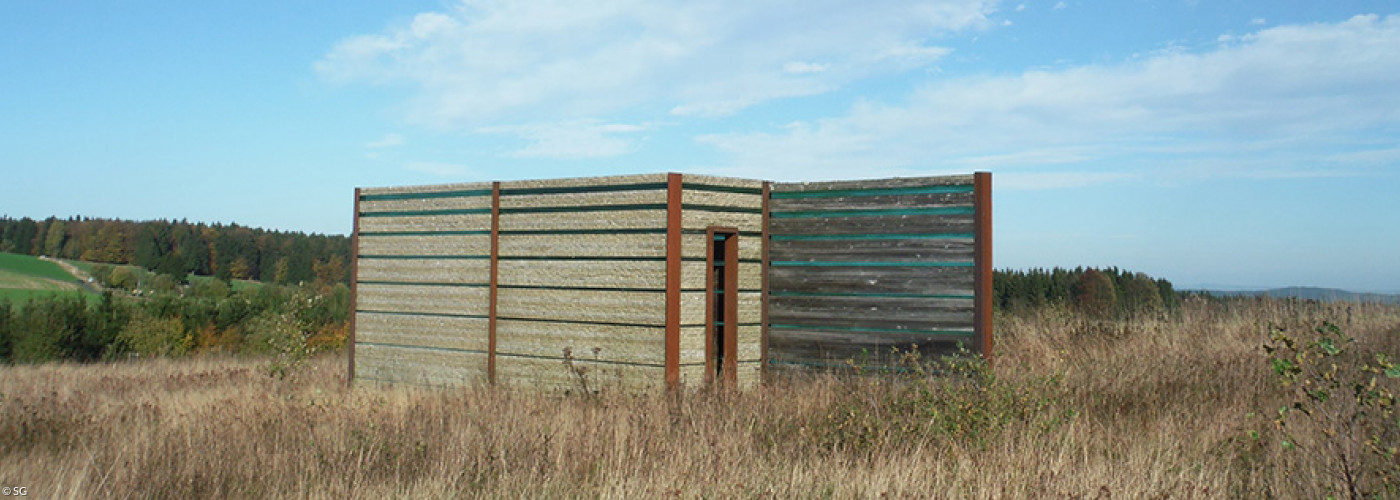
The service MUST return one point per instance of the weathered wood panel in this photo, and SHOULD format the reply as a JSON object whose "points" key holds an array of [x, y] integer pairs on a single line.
{"points": [[693, 275], [909, 224], [873, 250], [552, 375], [419, 366], [508, 186], [583, 245], [818, 347], [696, 197], [426, 190], [696, 219], [426, 223], [448, 244], [895, 182], [873, 202], [466, 271], [634, 308], [461, 300], [566, 200], [885, 313], [693, 343], [693, 307], [693, 180], [694, 246], [588, 220], [645, 274], [419, 204], [872, 280], [426, 331], [633, 344]]}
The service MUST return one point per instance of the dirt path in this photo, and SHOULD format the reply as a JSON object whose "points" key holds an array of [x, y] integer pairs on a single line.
{"points": [[85, 280]]}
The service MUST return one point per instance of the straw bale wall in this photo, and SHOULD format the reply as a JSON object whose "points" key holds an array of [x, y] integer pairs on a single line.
{"points": [[421, 291]]}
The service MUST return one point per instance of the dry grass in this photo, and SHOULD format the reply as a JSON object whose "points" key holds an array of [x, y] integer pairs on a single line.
{"points": [[1155, 409]]}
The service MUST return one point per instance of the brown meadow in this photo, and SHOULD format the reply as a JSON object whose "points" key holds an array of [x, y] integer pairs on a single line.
{"points": [[1179, 407]]}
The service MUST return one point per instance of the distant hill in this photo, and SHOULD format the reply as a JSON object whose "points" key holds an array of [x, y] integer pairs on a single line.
{"points": [[1313, 293]]}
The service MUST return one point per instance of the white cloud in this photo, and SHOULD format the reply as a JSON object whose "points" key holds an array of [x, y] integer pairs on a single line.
{"points": [[571, 139], [1020, 7], [388, 141], [1060, 6], [1291, 94], [557, 59], [1258, 21]]}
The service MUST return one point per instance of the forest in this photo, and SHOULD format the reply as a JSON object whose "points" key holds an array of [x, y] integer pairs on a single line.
{"points": [[180, 248]]}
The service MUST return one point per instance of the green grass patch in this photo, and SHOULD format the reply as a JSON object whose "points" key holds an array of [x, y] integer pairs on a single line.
{"points": [[18, 297], [33, 266]]}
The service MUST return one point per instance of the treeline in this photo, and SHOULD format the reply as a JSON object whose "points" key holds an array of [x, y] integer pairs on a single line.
{"points": [[1109, 292], [205, 317], [179, 248]]}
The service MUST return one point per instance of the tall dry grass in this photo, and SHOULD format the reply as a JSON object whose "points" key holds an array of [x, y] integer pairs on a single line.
{"points": [[1072, 409]]}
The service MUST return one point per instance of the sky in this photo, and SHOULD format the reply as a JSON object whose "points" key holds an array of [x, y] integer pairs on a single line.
{"points": [[1228, 143]]}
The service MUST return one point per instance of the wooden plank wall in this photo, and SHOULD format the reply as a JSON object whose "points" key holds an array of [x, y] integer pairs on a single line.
{"points": [[421, 277], [861, 268], [726, 202], [582, 269]]}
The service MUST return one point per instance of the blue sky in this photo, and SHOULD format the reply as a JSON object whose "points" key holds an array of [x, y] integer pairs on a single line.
{"points": [[1236, 143]]}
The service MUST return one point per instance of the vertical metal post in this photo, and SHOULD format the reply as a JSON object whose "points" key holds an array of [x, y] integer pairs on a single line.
{"points": [[982, 315], [763, 285]]}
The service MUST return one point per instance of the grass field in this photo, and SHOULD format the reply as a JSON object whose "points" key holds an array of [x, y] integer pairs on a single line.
{"points": [[23, 277], [1179, 408]]}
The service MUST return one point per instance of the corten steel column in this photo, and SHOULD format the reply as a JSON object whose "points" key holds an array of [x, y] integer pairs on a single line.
{"points": [[354, 279], [673, 280], [763, 289], [982, 262], [491, 304]]}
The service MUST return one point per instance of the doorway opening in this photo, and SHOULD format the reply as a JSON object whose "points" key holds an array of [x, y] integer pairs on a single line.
{"points": [[721, 304]]}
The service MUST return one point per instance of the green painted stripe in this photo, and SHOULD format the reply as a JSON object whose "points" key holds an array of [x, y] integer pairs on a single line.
{"points": [[832, 193], [804, 263], [719, 189], [425, 196], [421, 213], [426, 257], [432, 315], [856, 237], [581, 357], [967, 333], [881, 212], [424, 233], [584, 189], [871, 295], [420, 347], [425, 283], [584, 208], [721, 209]]}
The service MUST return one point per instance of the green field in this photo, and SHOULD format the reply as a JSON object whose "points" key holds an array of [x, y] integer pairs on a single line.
{"points": [[33, 266], [23, 277]]}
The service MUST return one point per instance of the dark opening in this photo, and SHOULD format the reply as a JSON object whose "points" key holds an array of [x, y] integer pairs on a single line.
{"points": [[722, 290]]}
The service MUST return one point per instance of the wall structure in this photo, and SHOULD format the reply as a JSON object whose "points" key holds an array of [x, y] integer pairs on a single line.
{"points": [[664, 279], [560, 284], [861, 272]]}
